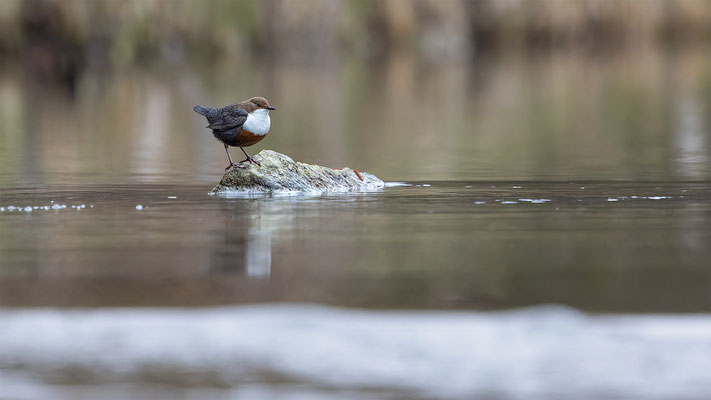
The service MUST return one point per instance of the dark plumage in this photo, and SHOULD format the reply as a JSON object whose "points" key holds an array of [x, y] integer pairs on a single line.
{"points": [[227, 124]]}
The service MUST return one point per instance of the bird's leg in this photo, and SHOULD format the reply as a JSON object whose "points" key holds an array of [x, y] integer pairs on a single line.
{"points": [[250, 159], [232, 163]]}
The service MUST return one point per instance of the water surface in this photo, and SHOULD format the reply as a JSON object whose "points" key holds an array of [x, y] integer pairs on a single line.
{"points": [[579, 180], [599, 246], [296, 351]]}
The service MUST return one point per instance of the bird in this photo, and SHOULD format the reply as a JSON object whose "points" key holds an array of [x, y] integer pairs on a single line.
{"points": [[240, 125]]}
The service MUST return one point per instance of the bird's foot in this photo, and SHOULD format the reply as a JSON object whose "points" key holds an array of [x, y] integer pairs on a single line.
{"points": [[235, 166], [250, 159]]}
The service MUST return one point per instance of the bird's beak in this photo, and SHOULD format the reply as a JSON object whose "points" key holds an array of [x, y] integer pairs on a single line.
{"points": [[271, 108]]}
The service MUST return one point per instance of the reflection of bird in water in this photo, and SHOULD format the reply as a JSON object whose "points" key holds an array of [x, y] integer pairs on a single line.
{"points": [[242, 124], [246, 250]]}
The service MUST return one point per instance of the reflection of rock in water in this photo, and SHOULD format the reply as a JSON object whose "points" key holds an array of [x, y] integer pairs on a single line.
{"points": [[259, 253], [247, 247], [229, 255]]}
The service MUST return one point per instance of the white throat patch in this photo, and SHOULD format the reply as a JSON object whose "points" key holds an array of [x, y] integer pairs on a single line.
{"points": [[258, 122]]}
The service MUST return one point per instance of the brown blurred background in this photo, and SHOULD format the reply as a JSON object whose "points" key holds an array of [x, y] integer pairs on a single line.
{"points": [[61, 35], [445, 89]]}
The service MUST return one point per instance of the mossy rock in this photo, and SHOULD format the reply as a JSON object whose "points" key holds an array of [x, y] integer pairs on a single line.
{"points": [[279, 173]]}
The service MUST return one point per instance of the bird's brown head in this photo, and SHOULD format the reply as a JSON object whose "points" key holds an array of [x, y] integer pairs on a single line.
{"points": [[261, 102]]}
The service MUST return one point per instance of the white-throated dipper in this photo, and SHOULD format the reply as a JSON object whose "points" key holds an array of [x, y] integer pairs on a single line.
{"points": [[242, 124]]}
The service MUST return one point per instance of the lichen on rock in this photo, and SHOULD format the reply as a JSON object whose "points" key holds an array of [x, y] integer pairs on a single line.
{"points": [[279, 173]]}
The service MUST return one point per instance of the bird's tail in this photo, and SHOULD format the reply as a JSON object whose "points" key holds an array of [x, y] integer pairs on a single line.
{"points": [[201, 110]]}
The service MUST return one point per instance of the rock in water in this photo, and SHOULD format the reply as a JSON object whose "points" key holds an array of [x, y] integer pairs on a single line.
{"points": [[279, 173]]}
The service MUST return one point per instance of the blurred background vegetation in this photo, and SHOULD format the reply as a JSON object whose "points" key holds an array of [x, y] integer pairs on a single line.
{"points": [[515, 89], [65, 35]]}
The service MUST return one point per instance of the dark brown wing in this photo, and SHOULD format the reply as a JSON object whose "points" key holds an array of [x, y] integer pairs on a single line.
{"points": [[227, 117]]}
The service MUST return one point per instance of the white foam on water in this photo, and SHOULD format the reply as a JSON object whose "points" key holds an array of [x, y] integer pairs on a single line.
{"points": [[658, 197], [612, 199], [509, 202], [536, 201], [51, 206], [172, 197], [256, 193], [479, 202], [534, 353], [426, 185], [139, 207], [259, 194], [396, 184]]}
